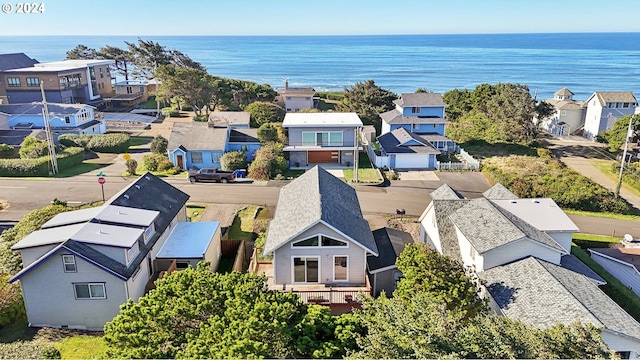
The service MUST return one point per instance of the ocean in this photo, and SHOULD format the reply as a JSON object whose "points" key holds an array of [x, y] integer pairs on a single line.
{"points": [[583, 62]]}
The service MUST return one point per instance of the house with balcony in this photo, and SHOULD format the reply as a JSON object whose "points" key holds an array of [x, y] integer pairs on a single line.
{"points": [[67, 82], [10, 62], [319, 241], [568, 116], [413, 133], [82, 265], [518, 251], [322, 138], [604, 108], [201, 144], [129, 93], [63, 118]]}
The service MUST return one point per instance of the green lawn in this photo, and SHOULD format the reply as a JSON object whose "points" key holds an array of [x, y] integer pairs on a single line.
{"points": [[194, 211], [242, 227], [139, 141], [367, 176], [82, 347], [601, 214], [83, 168], [605, 167]]}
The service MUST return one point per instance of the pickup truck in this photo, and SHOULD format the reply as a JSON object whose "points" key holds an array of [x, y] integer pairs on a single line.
{"points": [[211, 174]]}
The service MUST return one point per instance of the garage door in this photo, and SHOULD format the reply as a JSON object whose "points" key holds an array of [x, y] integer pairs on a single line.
{"points": [[319, 157], [412, 161]]}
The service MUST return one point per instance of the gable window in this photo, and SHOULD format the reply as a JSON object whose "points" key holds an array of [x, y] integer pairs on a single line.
{"points": [[148, 232], [340, 268], [129, 90], [141, 89], [327, 241], [415, 110], [33, 82], [90, 291], [13, 81], [69, 263], [67, 120], [118, 89], [320, 240], [306, 269], [132, 252], [196, 157]]}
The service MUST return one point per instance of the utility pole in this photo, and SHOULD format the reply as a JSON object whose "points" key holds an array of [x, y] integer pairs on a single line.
{"points": [[624, 156], [355, 154], [47, 128]]}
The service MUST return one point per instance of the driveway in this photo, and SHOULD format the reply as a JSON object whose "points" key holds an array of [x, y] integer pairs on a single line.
{"points": [[418, 175]]}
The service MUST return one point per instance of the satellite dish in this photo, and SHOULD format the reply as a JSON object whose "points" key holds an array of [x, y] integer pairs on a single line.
{"points": [[627, 237]]}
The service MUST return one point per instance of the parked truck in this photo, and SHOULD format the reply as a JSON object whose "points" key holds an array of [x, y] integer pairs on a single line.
{"points": [[211, 174]]}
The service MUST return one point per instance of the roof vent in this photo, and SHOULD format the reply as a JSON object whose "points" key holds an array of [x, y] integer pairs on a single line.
{"points": [[513, 202], [126, 196], [137, 186], [147, 177], [535, 201], [121, 213], [102, 232]]}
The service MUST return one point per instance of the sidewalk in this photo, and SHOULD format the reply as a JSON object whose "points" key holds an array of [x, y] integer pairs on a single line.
{"points": [[577, 155]]}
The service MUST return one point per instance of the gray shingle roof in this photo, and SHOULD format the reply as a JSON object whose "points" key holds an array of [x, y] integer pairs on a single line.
{"points": [[390, 243], [446, 229], [15, 61], [35, 108], [393, 143], [16, 137], [243, 136], [445, 192], [564, 92], [499, 192], [197, 136], [615, 96], [542, 294], [488, 227], [395, 117], [420, 99], [571, 262], [313, 197]]}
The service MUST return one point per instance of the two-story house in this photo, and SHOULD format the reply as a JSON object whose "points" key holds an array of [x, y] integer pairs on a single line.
{"points": [[201, 144], [82, 265], [519, 249], [319, 240], [67, 81], [296, 99], [322, 138], [10, 62], [604, 108], [130, 92], [63, 118], [413, 132], [568, 116]]}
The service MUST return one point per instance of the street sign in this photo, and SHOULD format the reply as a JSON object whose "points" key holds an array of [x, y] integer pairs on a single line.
{"points": [[126, 156], [101, 180]]}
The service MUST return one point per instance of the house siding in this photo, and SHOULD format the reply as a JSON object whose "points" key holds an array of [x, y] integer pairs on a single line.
{"points": [[295, 134], [384, 281], [214, 251], [621, 343], [296, 103], [32, 254], [356, 254], [437, 111], [420, 128], [429, 233], [208, 157], [518, 250], [250, 152], [51, 284], [626, 273], [469, 255], [563, 239]]}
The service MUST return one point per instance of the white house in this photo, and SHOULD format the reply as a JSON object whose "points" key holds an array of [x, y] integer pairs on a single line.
{"points": [[568, 116], [604, 108], [63, 118], [623, 263], [296, 99]]}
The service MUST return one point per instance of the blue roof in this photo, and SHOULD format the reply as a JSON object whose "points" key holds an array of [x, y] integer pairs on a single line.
{"points": [[189, 240]]}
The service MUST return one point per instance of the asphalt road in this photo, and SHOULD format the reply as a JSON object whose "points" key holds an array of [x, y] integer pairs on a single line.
{"points": [[410, 195]]}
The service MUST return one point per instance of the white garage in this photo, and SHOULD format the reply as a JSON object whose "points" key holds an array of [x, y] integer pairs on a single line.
{"points": [[413, 161]]}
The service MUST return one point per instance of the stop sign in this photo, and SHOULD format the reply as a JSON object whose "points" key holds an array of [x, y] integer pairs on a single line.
{"points": [[101, 180]]}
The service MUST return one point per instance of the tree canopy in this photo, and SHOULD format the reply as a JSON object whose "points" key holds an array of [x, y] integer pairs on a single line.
{"points": [[271, 132], [233, 160], [193, 85], [263, 112], [367, 100], [494, 113], [615, 136], [196, 313]]}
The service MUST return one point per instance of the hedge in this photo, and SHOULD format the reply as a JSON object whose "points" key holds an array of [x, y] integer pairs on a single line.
{"points": [[67, 158], [106, 143]]}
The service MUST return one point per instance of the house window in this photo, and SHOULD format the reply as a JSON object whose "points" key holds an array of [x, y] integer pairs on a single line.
{"points": [[13, 81], [320, 240], [306, 269], [215, 156], [327, 241], [397, 276], [33, 82], [129, 90], [135, 272], [182, 265], [415, 110], [132, 252], [307, 242], [148, 232], [340, 268], [625, 105], [66, 100], [69, 263], [118, 89], [308, 138], [563, 113], [322, 138], [90, 291], [244, 148], [611, 105], [101, 72], [196, 157], [141, 89]]}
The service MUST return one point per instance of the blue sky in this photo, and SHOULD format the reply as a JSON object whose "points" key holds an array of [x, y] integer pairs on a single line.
{"points": [[325, 17]]}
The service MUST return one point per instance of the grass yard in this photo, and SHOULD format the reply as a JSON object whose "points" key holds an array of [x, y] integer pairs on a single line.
{"points": [[242, 227], [605, 167], [605, 215], [139, 141], [367, 176], [83, 168], [622, 295], [194, 211], [594, 241], [82, 347]]}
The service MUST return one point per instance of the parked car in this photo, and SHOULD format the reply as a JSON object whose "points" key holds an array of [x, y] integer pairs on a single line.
{"points": [[211, 174]]}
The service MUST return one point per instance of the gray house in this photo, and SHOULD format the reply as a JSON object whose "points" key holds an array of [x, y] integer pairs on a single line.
{"points": [[319, 240], [82, 265], [322, 138], [383, 273]]}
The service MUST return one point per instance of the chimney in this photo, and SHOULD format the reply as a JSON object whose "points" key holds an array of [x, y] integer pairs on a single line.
{"points": [[286, 84]]}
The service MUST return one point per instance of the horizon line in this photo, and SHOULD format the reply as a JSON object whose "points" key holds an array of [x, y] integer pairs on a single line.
{"points": [[313, 35]]}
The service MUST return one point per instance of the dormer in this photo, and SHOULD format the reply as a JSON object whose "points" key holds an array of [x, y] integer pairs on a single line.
{"points": [[563, 94]]}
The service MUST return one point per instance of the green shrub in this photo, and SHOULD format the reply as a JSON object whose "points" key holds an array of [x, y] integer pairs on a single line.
{"points": [[152, 162], [38, 349], [170, 112], [165, 164], [107, 143], [6, 151], [67, 158], [159, 145], [11, 303], [233, 160], [132, 165], [33, 148], [201, 118]]}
